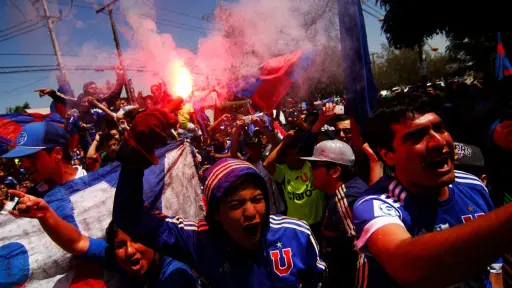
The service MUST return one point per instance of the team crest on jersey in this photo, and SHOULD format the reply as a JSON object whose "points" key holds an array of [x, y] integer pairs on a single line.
{"points": [[285, 269], [384, 209], [441, 227]]}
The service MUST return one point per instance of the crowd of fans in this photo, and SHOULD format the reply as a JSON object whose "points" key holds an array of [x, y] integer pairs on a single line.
{"points": [[385, 211]]}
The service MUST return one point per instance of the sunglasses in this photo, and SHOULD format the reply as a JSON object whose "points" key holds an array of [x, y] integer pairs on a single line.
{"points": [[346, 131]]}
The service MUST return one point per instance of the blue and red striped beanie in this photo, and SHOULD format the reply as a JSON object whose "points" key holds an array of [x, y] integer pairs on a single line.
{"points": [[220, 177]]}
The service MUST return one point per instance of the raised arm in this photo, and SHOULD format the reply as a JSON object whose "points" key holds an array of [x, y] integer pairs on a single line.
{"points": [[91, 154], [436, 259], [65, 235], [115, 94], [326, 114], [271, 136], [235, 140], [137, 152], [217, 123], [271, 161]]}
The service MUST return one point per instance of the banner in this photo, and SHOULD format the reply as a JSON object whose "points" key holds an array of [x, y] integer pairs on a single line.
{"points": [[275, 79], [355, 62], [29, 257]]}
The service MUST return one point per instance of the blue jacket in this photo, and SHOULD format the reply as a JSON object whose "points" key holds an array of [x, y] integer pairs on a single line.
{"points": [[287, 256]]}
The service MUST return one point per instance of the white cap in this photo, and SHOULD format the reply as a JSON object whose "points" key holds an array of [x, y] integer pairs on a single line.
{"points": [[333, 151]]}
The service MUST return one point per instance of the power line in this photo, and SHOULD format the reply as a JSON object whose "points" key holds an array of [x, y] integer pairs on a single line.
{"points": [[371, 14], [178, 23], [69, 10], [23, 28], [182, 14], [26, 85], [19, 10], [374, 9], [167, 23], [23, 33], [28, 66], [67, 55], [16, 25]]}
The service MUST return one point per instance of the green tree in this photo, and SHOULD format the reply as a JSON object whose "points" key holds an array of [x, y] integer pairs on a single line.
{"points": [[408, 24], [401, 67], [18, 108]]}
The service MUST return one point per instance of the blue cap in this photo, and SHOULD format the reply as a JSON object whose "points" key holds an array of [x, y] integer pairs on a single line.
{"points": [[38, 136]]}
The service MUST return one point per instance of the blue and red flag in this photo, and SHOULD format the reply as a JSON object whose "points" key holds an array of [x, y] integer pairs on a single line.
{"points": [[503, 67], [29, 258], [13, 123], [275, 79]]}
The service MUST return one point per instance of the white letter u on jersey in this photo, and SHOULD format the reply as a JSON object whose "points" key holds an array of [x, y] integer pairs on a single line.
{"points": [[288, 262]]}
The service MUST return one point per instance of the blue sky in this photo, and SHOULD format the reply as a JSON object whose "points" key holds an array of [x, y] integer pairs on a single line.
{"points": [[84, 28]]}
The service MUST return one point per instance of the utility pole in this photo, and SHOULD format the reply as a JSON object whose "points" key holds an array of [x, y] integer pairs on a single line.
{"points": [[127, 87], [50, 20]]}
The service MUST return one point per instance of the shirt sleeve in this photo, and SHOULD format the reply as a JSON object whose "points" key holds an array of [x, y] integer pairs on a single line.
{"points": [[371, 213], [96, 250], [279, 174], [496, 267], [174, 237], [315, 266]]}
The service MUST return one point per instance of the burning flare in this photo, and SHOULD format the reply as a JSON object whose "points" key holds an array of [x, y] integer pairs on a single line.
{"points": [[181, 79]]}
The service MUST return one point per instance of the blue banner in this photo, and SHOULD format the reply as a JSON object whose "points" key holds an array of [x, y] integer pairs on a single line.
{"points": [[355, 62]]}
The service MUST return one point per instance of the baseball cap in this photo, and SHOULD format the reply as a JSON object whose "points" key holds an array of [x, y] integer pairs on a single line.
{"points": [[468, 155], [38, 136], [333, 151]]}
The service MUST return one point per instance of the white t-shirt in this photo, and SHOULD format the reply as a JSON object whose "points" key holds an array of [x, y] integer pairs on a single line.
{"points": [[276, 203]]}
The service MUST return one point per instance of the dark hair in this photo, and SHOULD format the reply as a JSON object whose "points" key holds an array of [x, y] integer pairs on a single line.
{"points": [[347, 173], [105, 139], [87, 84], [66, 154], [391, 111], [111, 233], [339, 118]]}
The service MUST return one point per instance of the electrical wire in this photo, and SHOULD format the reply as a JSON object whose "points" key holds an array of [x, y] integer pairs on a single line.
{"points": [[16, 25], [28, 66], [18, 8], [69, 10], [23, 33], [20, 29], [28, 71], [371, 14], [178, 23], [182, 14], [379, 13], [26, 85], [157, 21]]}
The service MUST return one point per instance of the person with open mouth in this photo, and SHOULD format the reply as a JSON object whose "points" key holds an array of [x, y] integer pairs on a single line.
{"points": [[426, 224], [238, 244], [144, 267]]}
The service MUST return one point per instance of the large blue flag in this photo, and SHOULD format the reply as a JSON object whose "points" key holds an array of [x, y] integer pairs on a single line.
{"points": [[355, 62], [29, 257]]}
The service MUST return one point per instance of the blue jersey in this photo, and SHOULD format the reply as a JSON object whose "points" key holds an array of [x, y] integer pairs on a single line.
{"points": [[92, 122], [287, 257], [387, 202], [172, 273]]}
